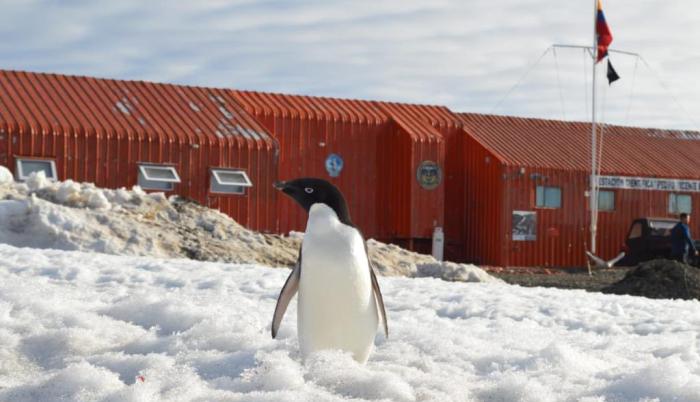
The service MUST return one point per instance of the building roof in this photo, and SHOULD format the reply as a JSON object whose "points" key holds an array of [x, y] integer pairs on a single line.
{"points": [[311, 107], [418, 121], [53, 103], [627, 151], [56, 103], [421, 122]]}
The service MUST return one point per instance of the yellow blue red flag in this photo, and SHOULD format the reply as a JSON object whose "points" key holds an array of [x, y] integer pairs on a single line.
{"points": [[603, 33]]}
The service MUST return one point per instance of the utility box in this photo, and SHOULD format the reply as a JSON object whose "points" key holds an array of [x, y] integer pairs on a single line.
{"points": [[438, 243]]}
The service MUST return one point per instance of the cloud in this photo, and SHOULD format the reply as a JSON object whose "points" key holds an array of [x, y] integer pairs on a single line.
{"points": [[465, 55]]}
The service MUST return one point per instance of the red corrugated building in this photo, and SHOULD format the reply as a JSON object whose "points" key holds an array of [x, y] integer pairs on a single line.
{"points": [[527, 182], [197, 142], [506, 191], [225, 148]]}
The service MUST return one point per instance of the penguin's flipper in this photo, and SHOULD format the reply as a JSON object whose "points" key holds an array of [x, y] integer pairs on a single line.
{"points": [[379, 299], [288, 291]]}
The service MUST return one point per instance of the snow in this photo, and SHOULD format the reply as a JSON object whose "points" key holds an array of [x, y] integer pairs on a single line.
{"points": [[95, 327], [5, 175], [95, 305]]}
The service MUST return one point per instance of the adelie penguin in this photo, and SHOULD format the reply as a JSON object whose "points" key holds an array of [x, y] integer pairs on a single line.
{"points": [[339, 304]]}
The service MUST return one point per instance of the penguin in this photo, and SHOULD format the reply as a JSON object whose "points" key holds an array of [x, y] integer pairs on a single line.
{"points": [[339, 304]]}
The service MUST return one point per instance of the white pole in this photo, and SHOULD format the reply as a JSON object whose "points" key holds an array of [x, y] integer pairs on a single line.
{"points": [[593, 196]]}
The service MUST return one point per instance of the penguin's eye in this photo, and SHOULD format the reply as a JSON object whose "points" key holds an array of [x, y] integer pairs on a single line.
{"points": [[308, 190]]}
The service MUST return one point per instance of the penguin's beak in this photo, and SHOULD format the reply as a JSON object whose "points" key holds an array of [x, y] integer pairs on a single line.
{"points": [[280, 185]]}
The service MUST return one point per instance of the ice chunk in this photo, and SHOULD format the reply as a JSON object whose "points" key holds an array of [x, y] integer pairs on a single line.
{"points": [[5, 175]]}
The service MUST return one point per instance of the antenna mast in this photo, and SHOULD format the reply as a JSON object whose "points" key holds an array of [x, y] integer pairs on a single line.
{"points": [[593, 196]]}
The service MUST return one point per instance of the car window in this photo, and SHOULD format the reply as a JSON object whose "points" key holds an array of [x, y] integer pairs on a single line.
{"points": [[636, 231], [660, 232], [661, 228]]}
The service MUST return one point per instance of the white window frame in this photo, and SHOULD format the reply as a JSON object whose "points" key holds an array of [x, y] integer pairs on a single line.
{"points": [[20, 171], [673, 203], [144, 179], [544, 197], [237, 187]]}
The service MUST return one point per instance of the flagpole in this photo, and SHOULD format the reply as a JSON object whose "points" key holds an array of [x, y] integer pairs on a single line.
{"points": [[593, 198]]}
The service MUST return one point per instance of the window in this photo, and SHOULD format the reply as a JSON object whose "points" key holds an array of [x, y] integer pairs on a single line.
{"points": [[661, 228], [25, 167], [548, 197], [678, 203], [229, 181], [606, 200], [636, 231], [157, 177]]}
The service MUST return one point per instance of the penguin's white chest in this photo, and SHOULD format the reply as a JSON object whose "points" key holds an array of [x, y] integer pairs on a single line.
{"points": [[336, 307]]}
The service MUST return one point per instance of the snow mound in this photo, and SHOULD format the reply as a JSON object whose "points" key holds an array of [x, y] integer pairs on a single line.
{"points": [[392, 260], [79, 216], [5, 175], [92, 327], [451, 271]]}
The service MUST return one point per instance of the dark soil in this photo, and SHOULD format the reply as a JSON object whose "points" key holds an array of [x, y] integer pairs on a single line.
{"points": [[657, 279], [660, 279], [571, 278]]}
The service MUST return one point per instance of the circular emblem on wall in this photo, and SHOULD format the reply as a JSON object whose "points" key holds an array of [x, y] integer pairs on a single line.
{"points": [[429, 175], [334, 164]]}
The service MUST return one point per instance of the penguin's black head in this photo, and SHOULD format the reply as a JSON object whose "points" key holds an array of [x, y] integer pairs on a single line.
{"points": [[309, 191]]}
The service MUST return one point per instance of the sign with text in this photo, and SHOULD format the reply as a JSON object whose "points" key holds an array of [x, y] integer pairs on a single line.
{"points": [[645, 183]]}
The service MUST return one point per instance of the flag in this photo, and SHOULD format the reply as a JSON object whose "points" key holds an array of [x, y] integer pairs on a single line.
{"points": [[612, 74], [603, 34]]}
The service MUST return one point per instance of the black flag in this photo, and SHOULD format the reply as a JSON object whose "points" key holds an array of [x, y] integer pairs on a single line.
{"points": [[612, 74]]}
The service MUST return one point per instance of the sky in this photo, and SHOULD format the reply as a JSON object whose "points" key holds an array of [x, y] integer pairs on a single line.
{"points": [[467, 55]]}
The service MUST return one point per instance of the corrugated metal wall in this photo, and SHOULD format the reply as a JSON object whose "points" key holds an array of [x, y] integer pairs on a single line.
{"points": [[454, 184], [4, 143], [381, 145], [561, 232], [415, 210], [632, 204], [480, 216], [98, 130], [309, 130]]}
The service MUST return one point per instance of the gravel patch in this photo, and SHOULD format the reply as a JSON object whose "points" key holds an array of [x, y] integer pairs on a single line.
{"points": [[573, 278]]}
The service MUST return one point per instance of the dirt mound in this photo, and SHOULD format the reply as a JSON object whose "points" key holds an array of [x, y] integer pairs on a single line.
{"points": [[659, 279]]}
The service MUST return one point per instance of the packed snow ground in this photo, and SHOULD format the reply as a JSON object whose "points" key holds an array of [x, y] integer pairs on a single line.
{"points": [[79, 216], [95, 327]]}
